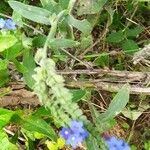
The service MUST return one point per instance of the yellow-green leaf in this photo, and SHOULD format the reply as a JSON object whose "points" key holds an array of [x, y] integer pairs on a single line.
{"points": [[6, 41]]}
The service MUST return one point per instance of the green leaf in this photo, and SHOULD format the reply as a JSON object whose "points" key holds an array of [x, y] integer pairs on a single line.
{"points": [[66, 30], [82, 25], [19, 66], [62, 43], [130, 47], [13, 51], [102, 60], [4, 142], [86, 41], [117, 105], [6, 41], [39, 125], [133, 115], [5, 116], [78, 94], [95, 142], [51, 6], [101, 126], [64, 3], [33, 13], [39, 41], [3, 64], [42, 112], [92, 144], [134, 32], [115, 37], [29, 63], [91, 7], [17, 18], [4, 77]]}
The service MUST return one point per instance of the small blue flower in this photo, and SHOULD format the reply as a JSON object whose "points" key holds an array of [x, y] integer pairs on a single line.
{"points": [[76, 126], [75, 134], [10, 24], [2, 23], [114, 143], [65, 133], [84, 134], [74, 140]]}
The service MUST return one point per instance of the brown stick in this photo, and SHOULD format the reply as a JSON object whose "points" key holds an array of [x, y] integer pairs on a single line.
{"points": [[111, 80], [19, 95], [111, 87], [135, 76]]}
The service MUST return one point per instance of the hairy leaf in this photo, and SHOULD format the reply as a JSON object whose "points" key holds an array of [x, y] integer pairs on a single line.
{"points": [[84, 26], [118, 103], [63, 43], [33, 13], [29, 63], [39, 125]]}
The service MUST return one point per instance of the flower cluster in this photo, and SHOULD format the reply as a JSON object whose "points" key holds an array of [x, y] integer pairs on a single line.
{"points": [[74, 135], [7, 24], [114, 143]]}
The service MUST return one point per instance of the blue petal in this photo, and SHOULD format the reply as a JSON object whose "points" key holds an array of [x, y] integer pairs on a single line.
{"points": [[76, 126], [10, 24], [65, 133], [74, 140], [2, 23], [116, 144]]}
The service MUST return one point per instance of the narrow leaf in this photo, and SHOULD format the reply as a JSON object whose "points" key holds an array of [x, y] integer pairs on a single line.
{"points": [[118, 103], [62, 43], [82, 25], [3, 64], [29, 63], [33, 13], [39, 125]]}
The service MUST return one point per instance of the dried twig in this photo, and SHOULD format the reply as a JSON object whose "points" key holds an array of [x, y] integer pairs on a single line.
{"points": [[125, 75], [111, 80], [108, 80], [142, 54], [106, 86], [12, 134]]}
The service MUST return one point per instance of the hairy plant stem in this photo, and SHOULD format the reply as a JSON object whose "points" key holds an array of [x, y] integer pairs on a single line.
{"points": [[54, 24], [71, 5], [53, 30]]}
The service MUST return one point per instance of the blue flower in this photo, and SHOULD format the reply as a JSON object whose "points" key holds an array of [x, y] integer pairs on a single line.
{"points": [[74, 140], [75, 134], [65, 133], [76, 126], [84, 134], [2, 23], [10, 24], [114, 143]]}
